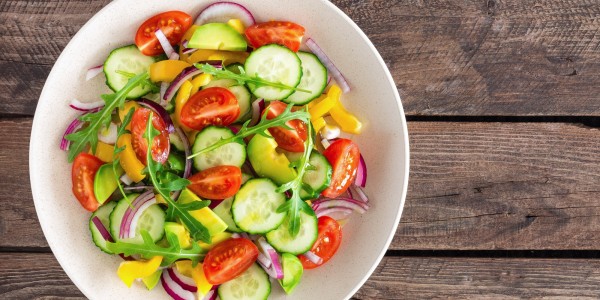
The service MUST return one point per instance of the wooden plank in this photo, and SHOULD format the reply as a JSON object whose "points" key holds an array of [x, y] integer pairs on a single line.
{"points": [[477, 186], [30, 275]]}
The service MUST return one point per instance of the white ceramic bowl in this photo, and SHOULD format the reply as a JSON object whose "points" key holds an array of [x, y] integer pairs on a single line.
{"points": [[374, 99]]}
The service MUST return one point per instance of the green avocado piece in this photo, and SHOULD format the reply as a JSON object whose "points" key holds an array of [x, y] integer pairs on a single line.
{"points": [[105, 182], [217, 36], [267, 162], [151, 281], [292, 272]]}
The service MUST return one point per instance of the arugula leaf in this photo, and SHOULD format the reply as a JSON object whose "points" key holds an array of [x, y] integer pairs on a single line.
{"points": [[243, 78], [295, 204], [89, 135], [149, 249], [153, 87], [260, 128], [166, 183], [116, 160]]}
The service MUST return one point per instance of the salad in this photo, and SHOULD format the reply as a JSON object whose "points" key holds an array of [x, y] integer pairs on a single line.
{"points": [[218, 165]]}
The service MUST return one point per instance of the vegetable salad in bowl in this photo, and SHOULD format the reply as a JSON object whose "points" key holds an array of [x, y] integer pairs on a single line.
{"points": [[218, 167]]}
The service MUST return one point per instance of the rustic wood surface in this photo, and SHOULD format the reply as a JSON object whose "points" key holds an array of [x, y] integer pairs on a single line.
{"points": [[482, 195]]}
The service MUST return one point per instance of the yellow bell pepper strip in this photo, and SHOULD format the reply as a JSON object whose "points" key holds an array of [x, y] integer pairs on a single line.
{"points": [[183, 95], [184, 267], [131, 164], [318, 123], [123, 112], [347, 121], [237, 25], [130, 270], [228, 57], [321, 107], [214, 240], [104, 152], [186, 37], [183, 236], [201, 282], [200, 81], [167, 70]]}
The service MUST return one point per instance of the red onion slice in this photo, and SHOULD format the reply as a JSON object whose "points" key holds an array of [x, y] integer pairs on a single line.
{"points": [[74, 126], [175, 290], [137, 214], [221, 12], [125, 229], [103, 231], [333, 70], [263, 260], [186, 283], [93, 72], [356, 205], [161, 111], [138, 188], [337, 213], [85, 106], [211, 295], [258, 106], [186, 74], [126, 179], [164, 43], [108, 135], [360, 193], [361, 173], [273, 267], [315, 259]]}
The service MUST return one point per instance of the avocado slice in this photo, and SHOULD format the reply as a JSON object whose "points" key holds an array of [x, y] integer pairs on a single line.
{"points": [[105, 182], [217, 36], [206, 216], [267, 162]]}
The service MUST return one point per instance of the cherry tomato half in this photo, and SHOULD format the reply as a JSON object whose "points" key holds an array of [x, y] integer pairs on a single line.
{"points": [[229, 259], [211, 106], [173, 24], [290, 140], [327, 244], [343, 155], [160, 145], [83, 172], [275, 32], [216, 183]]}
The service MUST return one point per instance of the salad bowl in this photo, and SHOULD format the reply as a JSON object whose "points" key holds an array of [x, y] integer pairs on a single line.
{"points": [[373, 98]]}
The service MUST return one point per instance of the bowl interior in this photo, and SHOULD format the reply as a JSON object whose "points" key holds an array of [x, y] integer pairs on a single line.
{"points": [[374, 99]]}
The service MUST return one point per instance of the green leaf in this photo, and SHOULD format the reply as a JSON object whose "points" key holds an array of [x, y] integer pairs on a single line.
{"points": [[176, 185], [195, 205]]}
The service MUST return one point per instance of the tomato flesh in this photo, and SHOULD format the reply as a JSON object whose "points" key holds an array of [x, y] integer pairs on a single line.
{"points": [[284, 33], [160, 145], [211, 106], [327, 244], [229, 259], [290, 140], [216, 183], [83, 172], [173, 24], [343, 155]]}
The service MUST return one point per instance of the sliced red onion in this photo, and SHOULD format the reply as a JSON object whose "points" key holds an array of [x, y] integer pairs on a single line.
{"points": [[161, 111], [186, 74], [258, 106], [137, 214], [361, 174], [214, 203], [273, 267], [138, 188], [330, 132], [125, 231], [356, 205], [333, 70], [315, 259], [236, 235], [103, 231], [337, 213], [175, 290], [360, 193], [234, 128], [174, 56], [163, 89], [93, 72], [221, 12], [74, 126], [185, 282], [108, 135], [264, 260], [164, 43], [211, 295], [126, 179], [85, 106]]}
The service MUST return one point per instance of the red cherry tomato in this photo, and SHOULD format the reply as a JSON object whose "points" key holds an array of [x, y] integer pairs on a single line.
{"points": [[218, 182], [173, 24], [327, 244], [343, 155], [275, 32], [83, 172], [229, 259], [211, 106], [160, 146], [290, 140]]}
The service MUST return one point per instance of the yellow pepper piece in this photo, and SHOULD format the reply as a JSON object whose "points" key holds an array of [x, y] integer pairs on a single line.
{"points": [[123, 112], [318, 123], [237, 25], [186, 37], [200, 81], [228, 57], [322, 107], [130, 270], [201, 282], [128, 160], [167, 70], [104, 152], [183, 95], [160, 199], [184, 267], [215, 239], [347, 121], [183, 236]]}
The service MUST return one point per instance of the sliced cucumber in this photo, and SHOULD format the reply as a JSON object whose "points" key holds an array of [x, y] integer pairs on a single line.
{"points": [[274, 63], [282, 240], [103, 213], [253, 284], [243, 97], [314, 79], [318, 178], [223, 210], [127, 59], [176, 142], [232, 154], [254, 207], [151, 220]]}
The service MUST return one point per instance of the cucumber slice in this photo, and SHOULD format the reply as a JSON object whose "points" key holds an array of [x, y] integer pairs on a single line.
{"points": [[176, 142], [223, 210], [232, 154], [282, 241], [127, 59], [292, 272], [103, 213], [314, 79], [319, 178], [243, 97], [253, 284], [274, 63], [254, 207], [151, 220]]}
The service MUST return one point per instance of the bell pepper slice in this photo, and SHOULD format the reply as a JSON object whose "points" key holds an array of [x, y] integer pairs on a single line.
{"points": [[228, 57], [237, 25], [214, 240], [183, 236], [322, 106], [183, 95], [318, 123], [167, 70], [201, 282], [104, 152], [129, 162], [200, 81], [347, 121], [130, 270], [123, 112]]}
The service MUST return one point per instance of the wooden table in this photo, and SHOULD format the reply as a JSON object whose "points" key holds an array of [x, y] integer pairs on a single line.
{"points": [[503, 103]]}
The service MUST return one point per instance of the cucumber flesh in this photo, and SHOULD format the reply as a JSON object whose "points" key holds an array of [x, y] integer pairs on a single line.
{"points": [[131, 60], [274, 63], [254, 207], [282, 240], [151, 220], [253, 284], [223, 210], [232, 154], [319, 178], [103, 213], [314, 79]]}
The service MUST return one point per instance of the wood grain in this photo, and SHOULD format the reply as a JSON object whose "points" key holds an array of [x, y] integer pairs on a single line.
{"points": [[38, 276], [477, 186], [448, 58]]}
